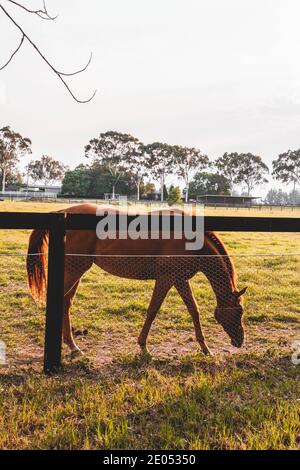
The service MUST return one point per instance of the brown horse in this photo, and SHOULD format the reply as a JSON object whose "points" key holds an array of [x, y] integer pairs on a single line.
{"points": [[143, 259]]}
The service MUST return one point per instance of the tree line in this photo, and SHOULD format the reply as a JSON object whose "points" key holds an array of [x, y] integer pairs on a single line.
{"points": [[121, 162]]}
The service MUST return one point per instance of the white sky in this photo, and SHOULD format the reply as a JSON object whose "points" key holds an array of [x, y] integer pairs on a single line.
{"points": [[215, 74]]}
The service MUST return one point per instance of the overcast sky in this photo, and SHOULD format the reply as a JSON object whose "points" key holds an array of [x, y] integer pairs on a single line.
{"points": [[221, 75]]}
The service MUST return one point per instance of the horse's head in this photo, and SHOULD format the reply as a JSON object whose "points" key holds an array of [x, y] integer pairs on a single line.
{"points": [[230, 314]]}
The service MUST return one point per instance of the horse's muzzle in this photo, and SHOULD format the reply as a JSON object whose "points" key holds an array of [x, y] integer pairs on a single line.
{"points": [[237, 343]]}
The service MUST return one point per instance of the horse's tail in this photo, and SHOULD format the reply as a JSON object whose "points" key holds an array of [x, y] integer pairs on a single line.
{"points": [[36, 263]]}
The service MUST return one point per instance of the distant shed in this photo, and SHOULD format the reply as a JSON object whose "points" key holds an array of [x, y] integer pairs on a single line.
{"points": [[229, 201]]}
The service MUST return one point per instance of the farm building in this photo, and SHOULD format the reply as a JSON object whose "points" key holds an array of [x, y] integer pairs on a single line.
{"points": [[230, 201], [35, 191], [54, 190]]}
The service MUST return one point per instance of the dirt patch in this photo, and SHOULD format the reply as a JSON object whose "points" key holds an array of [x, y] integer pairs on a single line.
{"points": [[110, 346]]}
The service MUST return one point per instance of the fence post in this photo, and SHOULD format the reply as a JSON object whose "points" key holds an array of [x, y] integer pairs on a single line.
{"points": [[55, 293]]}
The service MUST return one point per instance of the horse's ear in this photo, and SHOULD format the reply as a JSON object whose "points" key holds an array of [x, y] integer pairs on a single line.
{"points": [[241, 292]]}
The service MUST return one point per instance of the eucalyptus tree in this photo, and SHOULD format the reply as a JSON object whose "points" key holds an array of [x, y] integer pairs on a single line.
{"points": [[187, 161], [47, 169], [252, 171], [243, 169], [12, 146], [136, 164], [160, 161], [286, 167], [120, 153], [227, 166]]}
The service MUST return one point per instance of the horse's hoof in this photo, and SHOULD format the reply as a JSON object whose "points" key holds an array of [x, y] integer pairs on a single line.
{"points": [[207, 351], [145, 352], [76, 353]]}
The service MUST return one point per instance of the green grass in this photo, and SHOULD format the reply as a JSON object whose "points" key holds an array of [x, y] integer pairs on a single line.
{"points": [[179, 399]]}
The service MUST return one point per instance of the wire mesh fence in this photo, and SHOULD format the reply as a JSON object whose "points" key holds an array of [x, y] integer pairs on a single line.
{"points": [[115, 300]]}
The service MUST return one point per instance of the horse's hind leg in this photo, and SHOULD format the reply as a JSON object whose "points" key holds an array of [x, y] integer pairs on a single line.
{"points": [[67, 329], [161, 288], [185, 291], [75, 267]]}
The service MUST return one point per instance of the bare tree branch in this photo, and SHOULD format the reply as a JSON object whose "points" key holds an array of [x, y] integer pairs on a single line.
{"points": [[41, 13], [13, 54], [59, 74]]}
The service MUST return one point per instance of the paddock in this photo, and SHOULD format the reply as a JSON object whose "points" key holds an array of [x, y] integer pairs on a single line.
{"points": [[115, 398]]}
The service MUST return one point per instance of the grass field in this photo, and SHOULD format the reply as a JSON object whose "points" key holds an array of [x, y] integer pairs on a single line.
{"points": [[179, 399]]}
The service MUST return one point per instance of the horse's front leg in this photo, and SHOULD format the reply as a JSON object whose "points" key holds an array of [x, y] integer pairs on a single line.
{"points": [[161, 288], [185, 291]]}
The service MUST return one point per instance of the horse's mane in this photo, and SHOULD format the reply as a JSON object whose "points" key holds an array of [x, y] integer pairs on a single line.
{"points": [[224, 253]]}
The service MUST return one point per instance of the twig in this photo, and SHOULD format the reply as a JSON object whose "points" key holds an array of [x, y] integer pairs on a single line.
{"points": [[77, 71], [13, 54], [40, 13]]}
